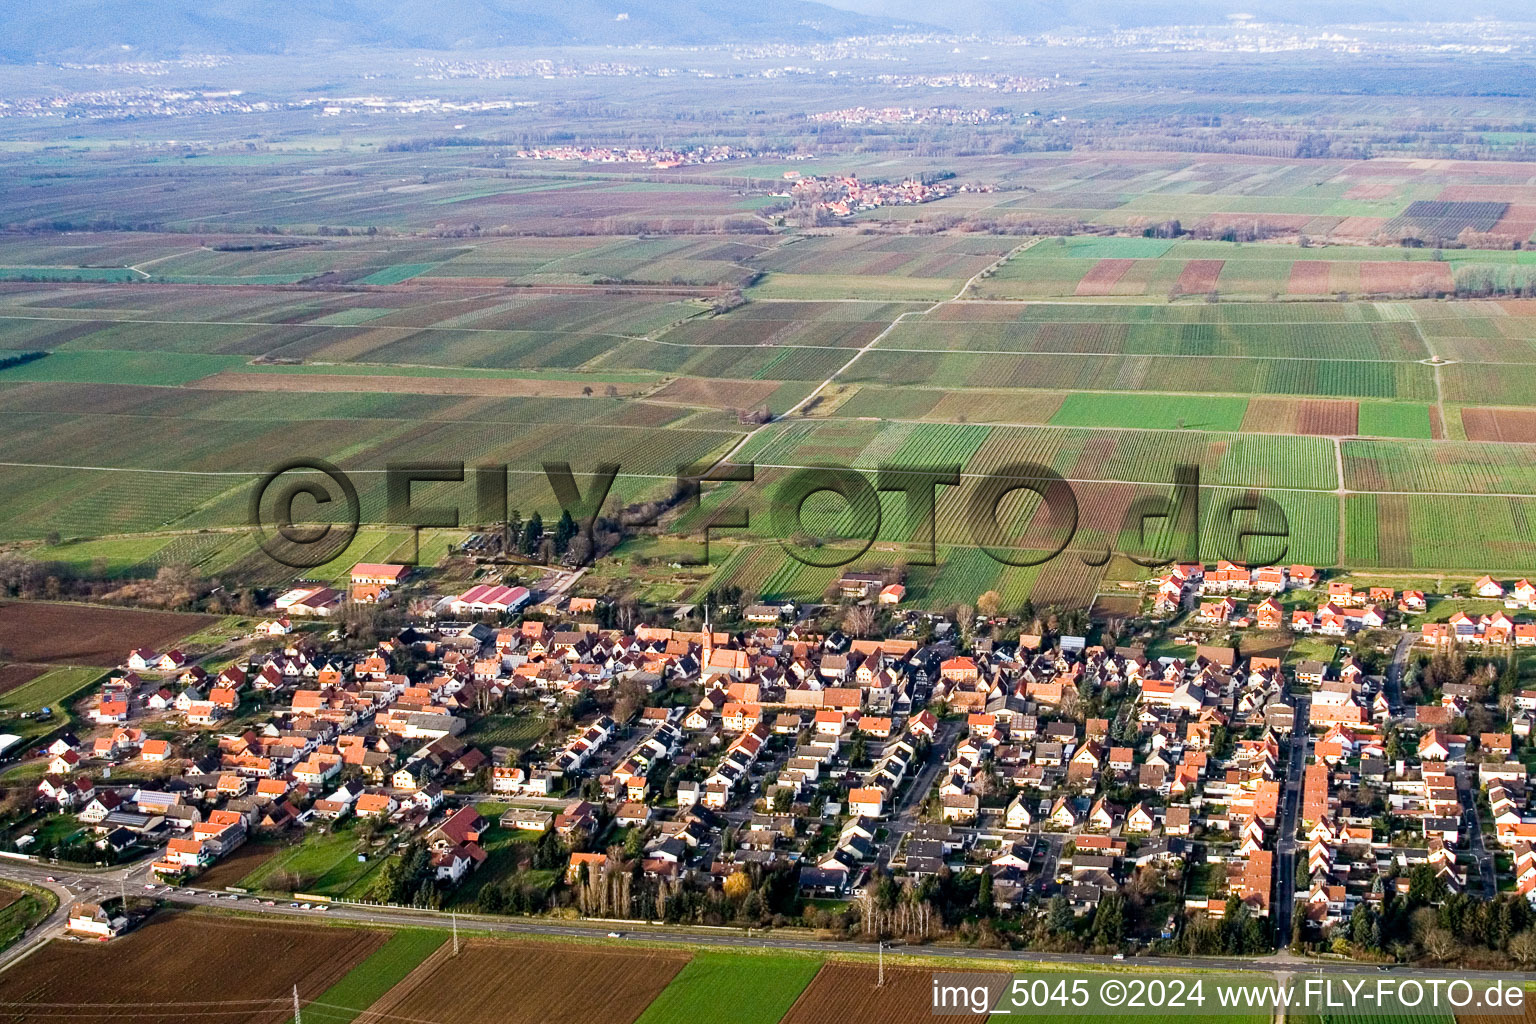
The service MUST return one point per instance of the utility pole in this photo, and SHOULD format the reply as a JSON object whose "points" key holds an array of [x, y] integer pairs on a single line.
{"points": [[455, 933], [298, 1016], [880, 948]]}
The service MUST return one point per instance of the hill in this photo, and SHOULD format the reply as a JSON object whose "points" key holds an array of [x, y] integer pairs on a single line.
{"points": [[1030, 16], [158, 28]]}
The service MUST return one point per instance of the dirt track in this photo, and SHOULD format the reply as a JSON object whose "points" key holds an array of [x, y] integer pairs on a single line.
{"points": [[481, 387]]}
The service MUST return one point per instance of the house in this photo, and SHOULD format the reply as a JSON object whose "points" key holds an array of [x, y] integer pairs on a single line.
{"points": [[1017, 815], [156, 751], [859, 585], [1139, 819], [959, 807], [373, 581], [464, 825], [102, 920], [110, 712], [867, 802], [1487, 586]]}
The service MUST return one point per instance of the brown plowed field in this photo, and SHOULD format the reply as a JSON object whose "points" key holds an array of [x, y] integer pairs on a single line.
{"points": [[1370, 192], [529, 983], [1199, 276], [486, 387], [1328, 417], [718, 394], [188, 967], [1499, 424], [1359, 227], [1104, 275], [78, 634], [847, 994], [12, 676], [1518, 222], [1308, 277], [1393, 277]]}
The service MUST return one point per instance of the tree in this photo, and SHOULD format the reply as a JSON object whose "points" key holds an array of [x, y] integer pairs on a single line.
{"points": [[1109, 920], [859, 620], [565, 529], [533, 534], [737, 885], [988, 603], [1439, 943], [1058, 915], [1523, 948]]}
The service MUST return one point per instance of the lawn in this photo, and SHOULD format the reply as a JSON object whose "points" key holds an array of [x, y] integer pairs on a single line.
{"points": [[324, 863], [502, 855], [732, 988], [366, 983]]}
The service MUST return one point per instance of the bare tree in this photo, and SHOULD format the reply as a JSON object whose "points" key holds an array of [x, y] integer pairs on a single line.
{"points": [[859, 620]]}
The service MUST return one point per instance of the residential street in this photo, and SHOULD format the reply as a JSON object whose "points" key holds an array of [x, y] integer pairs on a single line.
{"points": [[1286, 846]]}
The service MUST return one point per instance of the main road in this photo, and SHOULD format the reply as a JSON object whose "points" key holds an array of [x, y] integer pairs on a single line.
{"points": [[94, 885]]}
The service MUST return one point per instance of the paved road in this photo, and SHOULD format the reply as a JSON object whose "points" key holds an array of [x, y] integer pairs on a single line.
{"points": [[904, 819], [1394, 685], [110, 880], [1286, 846], [1472, 824]]}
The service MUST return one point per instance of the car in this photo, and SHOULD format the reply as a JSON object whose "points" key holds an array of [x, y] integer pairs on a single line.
{"points": [[322, 906], [234, 896], [1384, 967], [294, 905], [615, 935], [1118, 956], [306, 906]]}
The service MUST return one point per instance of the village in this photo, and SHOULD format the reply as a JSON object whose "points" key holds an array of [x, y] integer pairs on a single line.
{"points": [[1189, 788]]}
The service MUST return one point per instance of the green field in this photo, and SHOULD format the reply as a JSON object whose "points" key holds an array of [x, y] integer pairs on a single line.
{"points": [[366, 983], [732, 988], [1394, 419], [397, 273], [51, 689], [323, 863], [1163, 412], [101, 367]]}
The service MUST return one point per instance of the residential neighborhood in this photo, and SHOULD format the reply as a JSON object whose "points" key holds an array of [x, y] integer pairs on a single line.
{"points": [[1196, 785]]}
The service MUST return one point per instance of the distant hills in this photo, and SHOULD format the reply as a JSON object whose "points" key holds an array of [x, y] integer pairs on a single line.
{"points": [[162, 28], [1032, 16], [158, 28]]}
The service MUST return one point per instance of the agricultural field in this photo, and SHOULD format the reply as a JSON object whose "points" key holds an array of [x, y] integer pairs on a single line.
{"points": [[366, 983], [531, 982], [182, 364], [46, 688], [157, 965], [75, 634], [732, 988]]}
